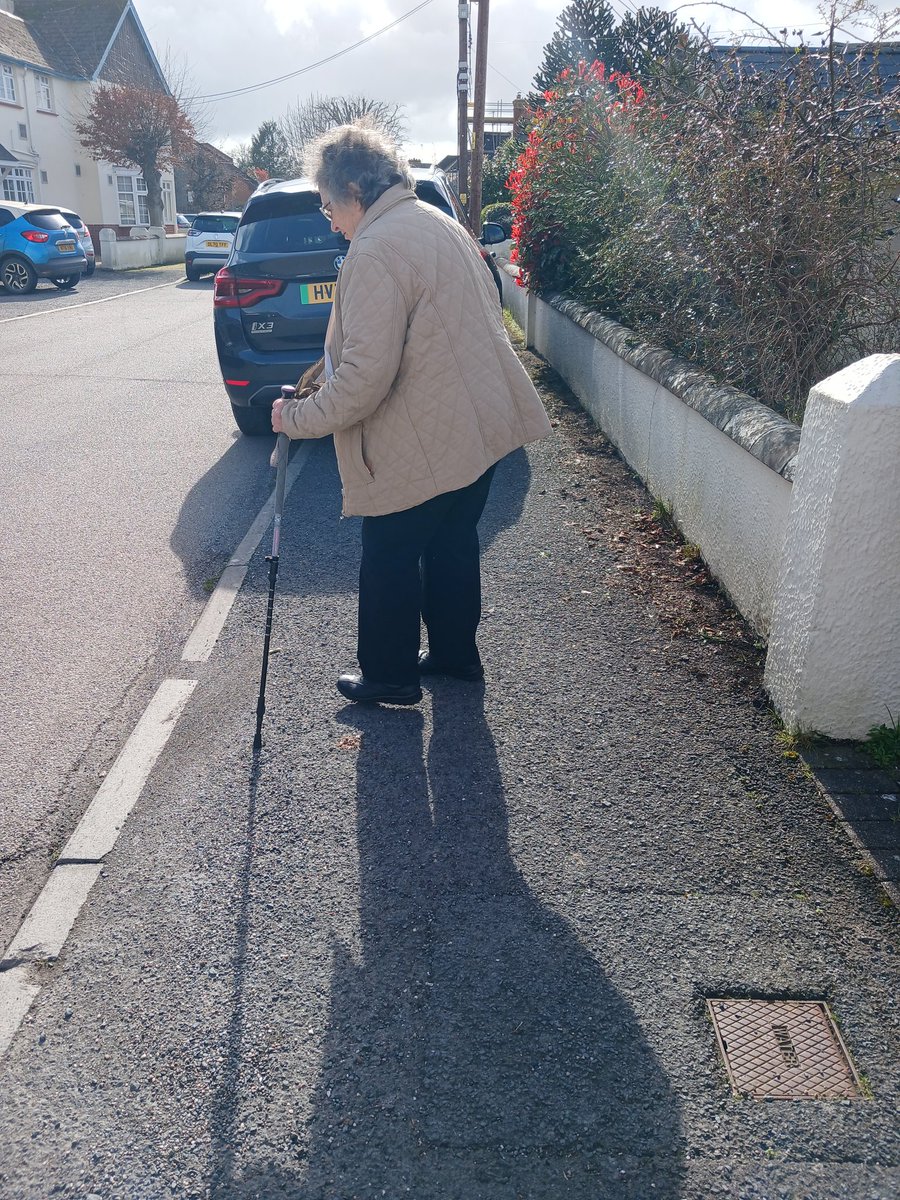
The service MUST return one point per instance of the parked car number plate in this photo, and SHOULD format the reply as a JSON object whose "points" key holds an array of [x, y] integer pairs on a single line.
{"points": [[65, 247], [316, 293], [219, 245]]}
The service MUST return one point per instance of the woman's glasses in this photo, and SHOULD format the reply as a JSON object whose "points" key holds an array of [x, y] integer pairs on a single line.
{"points": [[325, 210]]}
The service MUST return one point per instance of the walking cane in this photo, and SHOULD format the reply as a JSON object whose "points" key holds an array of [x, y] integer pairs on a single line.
{"points": [[281, 452]]}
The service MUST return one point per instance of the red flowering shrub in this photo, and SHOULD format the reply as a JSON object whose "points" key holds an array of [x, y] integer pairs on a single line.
{"points": [[742, 219], [563, 181]]}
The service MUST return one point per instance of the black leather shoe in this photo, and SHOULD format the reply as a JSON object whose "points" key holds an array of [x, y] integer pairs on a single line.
{"points": [[473, 673], [366, 691]]}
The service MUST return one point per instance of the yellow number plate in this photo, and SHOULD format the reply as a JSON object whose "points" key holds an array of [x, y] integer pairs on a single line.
{"points": [[221, 245], [316, 293], [65, 247]]}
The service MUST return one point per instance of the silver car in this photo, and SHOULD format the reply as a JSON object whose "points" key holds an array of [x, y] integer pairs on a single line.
{"points": [[84, 236], [208, 242]]}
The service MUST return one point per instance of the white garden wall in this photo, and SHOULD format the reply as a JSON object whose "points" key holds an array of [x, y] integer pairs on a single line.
{"points": [[127, 254], [731, 498], [815, 564]]}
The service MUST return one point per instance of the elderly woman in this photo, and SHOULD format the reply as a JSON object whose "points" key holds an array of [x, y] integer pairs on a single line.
{"points": [[424, 395]]}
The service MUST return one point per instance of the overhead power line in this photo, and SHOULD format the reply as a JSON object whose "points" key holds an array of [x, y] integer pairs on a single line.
{"points": [[256, 87]]}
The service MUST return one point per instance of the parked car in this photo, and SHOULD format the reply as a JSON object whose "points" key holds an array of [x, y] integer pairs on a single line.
{"points": [[36, 242], [84, 236], [208, 242], [433, 186], [272, 299]]}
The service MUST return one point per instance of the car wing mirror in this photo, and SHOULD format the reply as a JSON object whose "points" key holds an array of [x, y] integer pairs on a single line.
{"points": [[492, 234]]}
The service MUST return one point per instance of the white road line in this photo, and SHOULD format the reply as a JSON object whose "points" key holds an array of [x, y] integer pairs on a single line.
{"points": [[44, 931], [16, 997], [206, 632], [87, 303], [96, 832]]}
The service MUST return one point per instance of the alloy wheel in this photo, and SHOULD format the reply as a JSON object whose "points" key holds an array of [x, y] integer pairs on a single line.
{"points": [[16, 277]]}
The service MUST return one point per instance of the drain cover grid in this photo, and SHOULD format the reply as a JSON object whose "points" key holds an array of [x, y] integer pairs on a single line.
{"points": [[783, 1050]]}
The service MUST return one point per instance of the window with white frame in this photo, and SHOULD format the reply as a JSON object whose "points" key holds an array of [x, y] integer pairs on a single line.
{"points": [[143, 210], [132, 191], [18, 185], [7, 83], [133, 207], [168, 203], [127, 207], [44, 93]]}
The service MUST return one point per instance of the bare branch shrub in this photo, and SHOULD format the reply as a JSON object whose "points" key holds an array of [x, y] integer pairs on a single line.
{"points": [[742, 218], [308, 118]]}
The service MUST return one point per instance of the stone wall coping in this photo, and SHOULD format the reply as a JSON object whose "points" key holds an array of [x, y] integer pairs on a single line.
{"points": [[761, 431]]}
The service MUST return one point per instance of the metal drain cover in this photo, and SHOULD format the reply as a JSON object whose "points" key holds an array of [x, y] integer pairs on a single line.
{"points": [[783, 1050]]}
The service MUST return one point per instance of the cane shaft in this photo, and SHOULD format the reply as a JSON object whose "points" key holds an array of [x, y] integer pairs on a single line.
{"points": [[272, 559]]}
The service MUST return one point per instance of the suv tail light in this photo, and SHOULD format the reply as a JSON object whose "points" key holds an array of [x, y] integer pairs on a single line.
{"points": [[232, 292], [35, 235]]}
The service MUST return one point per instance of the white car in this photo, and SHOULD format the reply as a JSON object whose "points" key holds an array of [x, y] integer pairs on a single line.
{"points": [[208, 242], [84, 236]]}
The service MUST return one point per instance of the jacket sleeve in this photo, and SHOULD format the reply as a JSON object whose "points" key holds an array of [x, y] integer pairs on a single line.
{"points": [[374, 320]]}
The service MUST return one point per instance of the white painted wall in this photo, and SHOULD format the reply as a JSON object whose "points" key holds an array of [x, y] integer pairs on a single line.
{"points": [[128, 254], [724, 499], [813, 564], [834, 653]]}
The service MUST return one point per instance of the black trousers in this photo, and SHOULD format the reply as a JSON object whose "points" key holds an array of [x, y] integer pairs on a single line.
{"points": [[422, 561]]}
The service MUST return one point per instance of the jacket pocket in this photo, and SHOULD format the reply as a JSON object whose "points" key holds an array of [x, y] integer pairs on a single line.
{"points": [[352, 440]]}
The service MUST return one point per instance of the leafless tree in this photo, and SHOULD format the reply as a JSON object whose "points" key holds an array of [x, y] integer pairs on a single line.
{"points": [[314, 115]]}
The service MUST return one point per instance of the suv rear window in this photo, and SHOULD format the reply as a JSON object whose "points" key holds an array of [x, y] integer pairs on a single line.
{"points": [[72, 219], [46, 220], [215, 224], [431, 194], [286, 223]]}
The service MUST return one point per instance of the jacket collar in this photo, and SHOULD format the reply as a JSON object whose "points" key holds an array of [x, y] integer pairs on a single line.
{"points": [[397, 194]]}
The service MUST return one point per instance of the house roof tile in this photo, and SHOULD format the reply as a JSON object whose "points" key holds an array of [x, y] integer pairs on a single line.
{"points": [[71, 36], [17, 41]]}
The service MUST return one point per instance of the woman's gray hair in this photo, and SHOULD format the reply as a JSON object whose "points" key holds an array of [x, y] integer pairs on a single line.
{"points": [[356, 162]]}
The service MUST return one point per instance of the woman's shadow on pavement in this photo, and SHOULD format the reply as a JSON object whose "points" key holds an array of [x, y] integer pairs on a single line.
{"points": [[477, 1052]]}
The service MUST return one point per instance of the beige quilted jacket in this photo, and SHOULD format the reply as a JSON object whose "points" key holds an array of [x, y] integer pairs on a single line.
{"points": [[427, 391]]}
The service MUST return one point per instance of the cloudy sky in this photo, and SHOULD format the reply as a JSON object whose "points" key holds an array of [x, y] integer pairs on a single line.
{"points": [[229, 44]]}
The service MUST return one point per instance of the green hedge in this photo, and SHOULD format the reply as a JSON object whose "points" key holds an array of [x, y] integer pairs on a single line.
{"points": [[500, 214]]}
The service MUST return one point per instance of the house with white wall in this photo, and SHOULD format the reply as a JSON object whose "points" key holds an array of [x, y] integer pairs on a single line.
{"points": [[52, 54]]}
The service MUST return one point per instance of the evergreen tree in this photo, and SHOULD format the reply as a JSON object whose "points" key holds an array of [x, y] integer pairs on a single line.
{"points": [[585, 30], [649, 44], [496, 172], [655, 47], [269, 151]]}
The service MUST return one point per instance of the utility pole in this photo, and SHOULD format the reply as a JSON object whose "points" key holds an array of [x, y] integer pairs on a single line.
{"points": [[481, 46], [462, 101]]}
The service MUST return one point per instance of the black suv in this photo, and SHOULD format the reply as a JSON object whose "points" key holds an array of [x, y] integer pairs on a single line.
{"points": [[272, 298]]}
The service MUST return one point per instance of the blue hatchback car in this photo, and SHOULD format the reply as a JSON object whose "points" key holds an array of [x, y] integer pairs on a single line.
{"points": [[36, 242]]}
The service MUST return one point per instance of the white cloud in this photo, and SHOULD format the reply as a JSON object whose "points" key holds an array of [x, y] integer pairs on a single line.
{"points": [[232, 43]]}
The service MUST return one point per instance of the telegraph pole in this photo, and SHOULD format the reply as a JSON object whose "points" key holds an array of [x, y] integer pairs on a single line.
{"points": [[462, 98], [481, 46]]}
